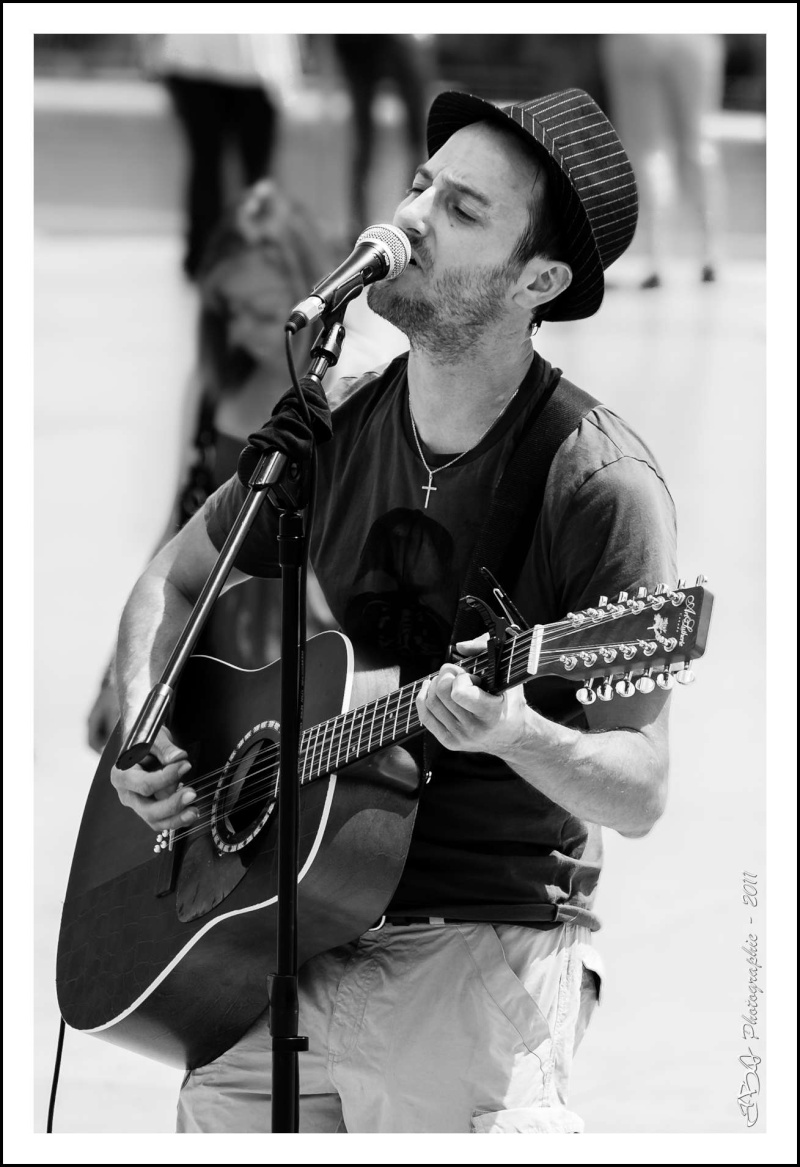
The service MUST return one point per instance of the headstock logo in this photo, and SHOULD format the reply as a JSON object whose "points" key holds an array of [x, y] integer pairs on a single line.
{"points": [[688, 620]]}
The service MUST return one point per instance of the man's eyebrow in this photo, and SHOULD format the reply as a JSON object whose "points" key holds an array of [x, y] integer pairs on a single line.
{"points": [[461, 187]]}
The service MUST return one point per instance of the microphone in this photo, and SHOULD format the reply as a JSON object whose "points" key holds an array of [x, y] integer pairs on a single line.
{"points": [[381, 252]]}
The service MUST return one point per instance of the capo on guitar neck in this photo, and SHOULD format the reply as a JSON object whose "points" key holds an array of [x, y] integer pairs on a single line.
{"points": [[501, 628]]}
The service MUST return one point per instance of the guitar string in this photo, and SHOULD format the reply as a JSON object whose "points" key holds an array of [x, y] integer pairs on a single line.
{"points": [[516, 675], [203, 784], [211, 777], [265, 789]]}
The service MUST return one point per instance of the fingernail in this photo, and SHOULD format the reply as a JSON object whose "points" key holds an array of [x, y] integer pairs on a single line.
{"points": [[185, 768], [189, 816], [188, 796]]}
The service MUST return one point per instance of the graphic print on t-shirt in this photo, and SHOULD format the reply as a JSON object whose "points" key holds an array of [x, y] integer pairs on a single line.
{"points": [[405, 568]]}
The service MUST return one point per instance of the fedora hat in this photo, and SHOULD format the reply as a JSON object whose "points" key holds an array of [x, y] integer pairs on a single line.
{"points": [[594, 187]]}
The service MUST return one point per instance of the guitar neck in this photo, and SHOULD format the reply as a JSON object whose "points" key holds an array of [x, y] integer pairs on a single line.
{"points": [[649, 631], [393, 718]]}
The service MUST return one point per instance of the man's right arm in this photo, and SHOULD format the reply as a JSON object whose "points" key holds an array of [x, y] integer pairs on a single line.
{"points": [[153, 618]]}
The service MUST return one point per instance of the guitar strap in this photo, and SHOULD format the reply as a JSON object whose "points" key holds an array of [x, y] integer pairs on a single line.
{"points": [[505, 537]]}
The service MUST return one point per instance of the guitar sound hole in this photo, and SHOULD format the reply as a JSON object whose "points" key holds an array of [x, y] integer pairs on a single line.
{"points": [[246, 796]]}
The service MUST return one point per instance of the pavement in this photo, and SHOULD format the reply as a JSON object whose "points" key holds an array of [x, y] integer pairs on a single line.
{"points": [[685, 364]]}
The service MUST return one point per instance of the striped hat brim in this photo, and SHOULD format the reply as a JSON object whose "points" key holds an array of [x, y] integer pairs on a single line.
{"points": [[593, 184]]}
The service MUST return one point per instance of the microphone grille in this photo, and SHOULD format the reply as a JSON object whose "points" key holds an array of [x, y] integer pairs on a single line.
{"points": [[396, 246]]}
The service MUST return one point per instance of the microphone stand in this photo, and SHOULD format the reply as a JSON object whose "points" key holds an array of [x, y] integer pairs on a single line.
{"points": [[268, 475]]}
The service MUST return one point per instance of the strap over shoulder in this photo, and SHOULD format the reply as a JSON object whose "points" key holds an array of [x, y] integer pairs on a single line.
{"points": [[506, 534]]}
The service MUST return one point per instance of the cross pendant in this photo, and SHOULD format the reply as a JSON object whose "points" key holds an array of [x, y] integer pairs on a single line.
{"points": [[428, 490]]}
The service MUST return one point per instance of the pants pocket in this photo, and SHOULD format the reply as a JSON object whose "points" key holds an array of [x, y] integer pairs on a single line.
{"points": [[528, 1120], [503, 986]]}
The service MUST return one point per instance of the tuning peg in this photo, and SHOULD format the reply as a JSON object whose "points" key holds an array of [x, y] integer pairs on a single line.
{"points": [[622, 597], [685, 676], [625, 686], [701, 579], [646, 684], [660, 589], [602, 602], [587, 695], [628, 651], [588, 658], [665, 680], [681, 583], [606, 691], [608, 654], [641, 594]]}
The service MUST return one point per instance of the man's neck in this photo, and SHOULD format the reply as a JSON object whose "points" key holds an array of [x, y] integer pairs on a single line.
{"points": [[455, 404]]}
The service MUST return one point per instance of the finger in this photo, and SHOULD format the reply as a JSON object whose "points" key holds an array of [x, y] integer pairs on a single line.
{"points": [[167, 814], [440, 700], [165, 749], [467, 696], [150, 783], [436, 717], [472, 647]]}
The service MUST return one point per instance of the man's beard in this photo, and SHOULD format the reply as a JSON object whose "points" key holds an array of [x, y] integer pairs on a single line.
{"points": [[451, 318]]}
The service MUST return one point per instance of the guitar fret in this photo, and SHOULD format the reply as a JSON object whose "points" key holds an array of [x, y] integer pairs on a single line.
{"points": [[317, 745], [352, 716], [304, 755], [411, 705], [322, 747], [360, 731], [372, 724], [333, 738], [397, 712], [383, 723]]}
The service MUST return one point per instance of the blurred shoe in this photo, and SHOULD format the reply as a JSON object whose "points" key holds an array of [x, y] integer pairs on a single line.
{"points": [[653, 281], [708, 275]]}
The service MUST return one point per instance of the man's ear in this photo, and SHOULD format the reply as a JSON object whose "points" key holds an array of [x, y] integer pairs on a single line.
{"points": [[541, 280]]}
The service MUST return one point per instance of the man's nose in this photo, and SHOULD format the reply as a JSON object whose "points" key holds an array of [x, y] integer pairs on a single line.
{"points": [[414, 217]]}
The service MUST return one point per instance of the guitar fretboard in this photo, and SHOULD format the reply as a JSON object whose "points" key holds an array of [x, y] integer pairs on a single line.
{"points": [[393, 718]]}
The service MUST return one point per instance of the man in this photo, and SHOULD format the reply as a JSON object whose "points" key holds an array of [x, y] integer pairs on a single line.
{"points": [[463, 1010]]}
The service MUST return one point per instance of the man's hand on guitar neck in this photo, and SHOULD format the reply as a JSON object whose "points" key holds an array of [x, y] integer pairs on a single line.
{"points": [[157, 795], [614, 775]]}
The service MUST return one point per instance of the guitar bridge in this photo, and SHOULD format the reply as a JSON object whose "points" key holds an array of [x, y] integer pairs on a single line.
{"points": [[166, 863]]}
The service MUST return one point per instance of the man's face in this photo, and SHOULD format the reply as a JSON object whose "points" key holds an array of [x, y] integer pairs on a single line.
{"points": [[463, 216]]}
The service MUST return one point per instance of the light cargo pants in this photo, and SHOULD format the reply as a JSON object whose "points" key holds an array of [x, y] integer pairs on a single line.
{"points": [[421, 1028]]}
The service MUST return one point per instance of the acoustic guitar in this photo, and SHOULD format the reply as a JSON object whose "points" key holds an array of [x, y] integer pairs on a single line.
{"points": [[166, 942]]}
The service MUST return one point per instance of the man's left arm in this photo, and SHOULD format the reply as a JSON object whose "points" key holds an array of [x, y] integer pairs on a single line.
{"points": [[615, 774]]}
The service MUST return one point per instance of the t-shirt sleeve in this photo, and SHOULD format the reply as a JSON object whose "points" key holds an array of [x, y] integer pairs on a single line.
{"points": [[617, 532], [259, 553]]}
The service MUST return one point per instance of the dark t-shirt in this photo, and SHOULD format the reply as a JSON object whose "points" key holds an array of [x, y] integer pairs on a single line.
{"points": [[487, 845]]}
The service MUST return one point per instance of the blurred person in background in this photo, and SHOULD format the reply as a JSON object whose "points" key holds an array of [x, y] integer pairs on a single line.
{"points": [[663, 88], [264, 257], [226, 90], [367, 62]]}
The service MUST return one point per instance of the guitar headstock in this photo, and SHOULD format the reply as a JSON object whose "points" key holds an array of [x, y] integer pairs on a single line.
{"points": [[633, 643]]}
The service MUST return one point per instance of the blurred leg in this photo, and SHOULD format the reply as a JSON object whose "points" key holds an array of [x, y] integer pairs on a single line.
{"points": [[252, 127], [404, 64], [199, 107], [638, 112], [358, 58], [694, 72]]}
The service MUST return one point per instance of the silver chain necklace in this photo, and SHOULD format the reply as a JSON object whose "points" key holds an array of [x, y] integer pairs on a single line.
{"points": [[430, 487]]}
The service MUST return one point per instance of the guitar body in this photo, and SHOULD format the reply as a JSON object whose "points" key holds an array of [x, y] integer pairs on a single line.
{"points": [[168, 954]]}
